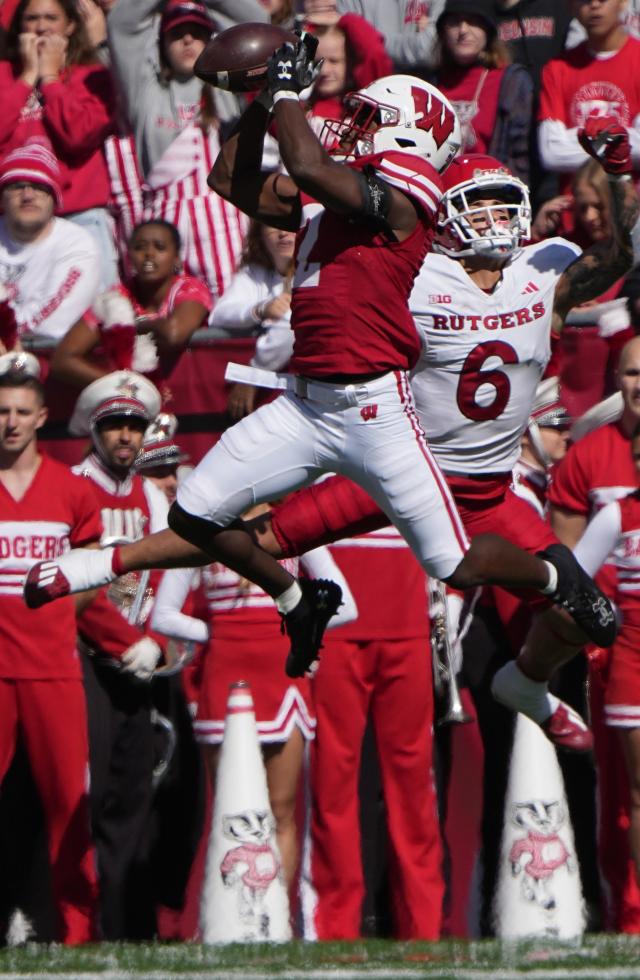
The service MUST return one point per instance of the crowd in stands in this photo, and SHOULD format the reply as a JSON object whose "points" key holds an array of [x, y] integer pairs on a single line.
{"points": [[116, 260]]}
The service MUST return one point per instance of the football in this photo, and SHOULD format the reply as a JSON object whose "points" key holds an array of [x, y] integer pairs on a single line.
{"points": [[236, 59]]}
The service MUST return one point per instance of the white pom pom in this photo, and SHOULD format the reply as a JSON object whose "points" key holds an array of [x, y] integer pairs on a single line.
{"points": [[112, 308]]}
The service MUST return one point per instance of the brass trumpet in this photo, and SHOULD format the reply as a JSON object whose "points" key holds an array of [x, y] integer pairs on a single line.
{"points": [[447, 698]]}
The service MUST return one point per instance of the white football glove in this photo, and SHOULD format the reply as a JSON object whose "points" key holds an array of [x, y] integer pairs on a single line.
{"points": [[141, 658], [112, 308]]}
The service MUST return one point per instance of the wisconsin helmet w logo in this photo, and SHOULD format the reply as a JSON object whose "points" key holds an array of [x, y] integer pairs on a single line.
{"points": [[436, 116]]}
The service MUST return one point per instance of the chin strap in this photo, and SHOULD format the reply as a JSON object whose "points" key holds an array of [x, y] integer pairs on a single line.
{"points": [[537, 445]]}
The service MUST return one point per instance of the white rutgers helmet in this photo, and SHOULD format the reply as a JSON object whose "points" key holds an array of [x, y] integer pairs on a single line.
{"points": [[397, 112], [474, 177]]}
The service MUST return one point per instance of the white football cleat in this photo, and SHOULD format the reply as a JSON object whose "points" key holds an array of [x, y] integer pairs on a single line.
{"points": [[76, 571]]}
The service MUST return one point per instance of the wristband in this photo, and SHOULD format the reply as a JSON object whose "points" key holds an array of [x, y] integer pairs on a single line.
{"points": [[291, 96], [617, 178], [265, 99]]}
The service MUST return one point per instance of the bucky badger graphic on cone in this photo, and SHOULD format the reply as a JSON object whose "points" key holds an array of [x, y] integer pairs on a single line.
{"points": [[243, 856]]}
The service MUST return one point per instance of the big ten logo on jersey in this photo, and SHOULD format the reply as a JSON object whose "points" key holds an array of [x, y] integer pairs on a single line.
{"points": [[492, 321], [120, 525]]}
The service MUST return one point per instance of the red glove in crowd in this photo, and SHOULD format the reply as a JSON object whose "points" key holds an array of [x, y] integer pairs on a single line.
{"points": [[8, 325], [607, 141]]}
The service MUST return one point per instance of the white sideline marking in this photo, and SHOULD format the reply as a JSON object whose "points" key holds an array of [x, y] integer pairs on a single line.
{"points": [[434, 969]]}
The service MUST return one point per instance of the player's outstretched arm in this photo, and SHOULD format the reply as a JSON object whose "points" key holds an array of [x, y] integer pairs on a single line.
{"points": [[338, 187], [606, 261], [237, 176]]}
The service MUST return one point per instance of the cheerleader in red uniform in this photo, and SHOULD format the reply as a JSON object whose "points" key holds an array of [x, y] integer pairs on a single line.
{"points": [[242, 630]]}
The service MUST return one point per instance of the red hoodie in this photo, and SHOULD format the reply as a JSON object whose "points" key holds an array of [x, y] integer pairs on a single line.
{"points": [[76, 113]]}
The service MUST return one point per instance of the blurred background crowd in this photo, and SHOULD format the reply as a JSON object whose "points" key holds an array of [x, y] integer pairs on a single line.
{"points": [[116, 257]]}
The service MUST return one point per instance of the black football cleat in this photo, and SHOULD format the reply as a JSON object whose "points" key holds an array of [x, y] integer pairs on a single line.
{"points": [[305, 625], [580, 596]]}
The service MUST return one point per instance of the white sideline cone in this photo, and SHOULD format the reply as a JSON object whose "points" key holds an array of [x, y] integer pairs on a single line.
{"points": [[244, 898], [539, 891]]}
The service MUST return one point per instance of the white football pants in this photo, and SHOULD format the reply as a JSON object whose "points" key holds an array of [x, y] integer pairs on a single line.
{"points": [[368, 432]]}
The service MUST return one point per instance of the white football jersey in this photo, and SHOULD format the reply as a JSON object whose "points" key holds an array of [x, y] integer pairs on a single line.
{"points": [[483, 354]]}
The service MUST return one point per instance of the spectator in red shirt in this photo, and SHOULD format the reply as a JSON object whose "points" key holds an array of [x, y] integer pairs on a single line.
{"points": [[492, 97], [589, 347], [353, 56], [599, 77], [53, 87], [144, 324]]}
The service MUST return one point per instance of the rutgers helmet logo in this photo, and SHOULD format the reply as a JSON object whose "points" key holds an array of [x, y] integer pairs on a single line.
{"points": [[437, 118]]}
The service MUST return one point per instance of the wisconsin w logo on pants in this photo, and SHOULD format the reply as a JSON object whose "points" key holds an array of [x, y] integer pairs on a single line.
{"points": [[369, 412]]}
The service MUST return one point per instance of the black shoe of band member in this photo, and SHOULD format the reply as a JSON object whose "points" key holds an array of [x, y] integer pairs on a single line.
{"points": [[580, 596], [305, 625]]}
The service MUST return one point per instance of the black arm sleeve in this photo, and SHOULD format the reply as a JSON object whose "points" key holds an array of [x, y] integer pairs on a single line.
{"points": [[376, 200]]}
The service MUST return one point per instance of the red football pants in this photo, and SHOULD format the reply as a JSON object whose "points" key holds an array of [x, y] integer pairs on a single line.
{"points": [[392, 680], [622, 897], [51, 718]]}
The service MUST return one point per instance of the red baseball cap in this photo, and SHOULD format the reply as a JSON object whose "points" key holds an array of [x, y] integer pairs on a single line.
{"points": [[185, 12]]}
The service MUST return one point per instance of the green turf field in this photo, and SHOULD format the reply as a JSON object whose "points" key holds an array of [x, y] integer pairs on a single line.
{"points": [[596, 958]]}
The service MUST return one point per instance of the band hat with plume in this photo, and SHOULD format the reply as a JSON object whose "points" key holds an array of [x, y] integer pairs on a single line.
{"points": [[20, 363], [36, 163], [158, 447], [119, 393], [547, 409]]}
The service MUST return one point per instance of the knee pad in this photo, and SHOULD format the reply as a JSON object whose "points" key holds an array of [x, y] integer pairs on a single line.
{"points": [[196, 530]]}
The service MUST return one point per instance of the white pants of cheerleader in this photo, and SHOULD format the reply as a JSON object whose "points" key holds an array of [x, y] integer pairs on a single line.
{"points": [[369, 433]]}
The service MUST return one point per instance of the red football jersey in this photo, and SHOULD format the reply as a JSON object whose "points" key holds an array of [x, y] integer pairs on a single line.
{"points": [[349, 308], [595, 471], [388, 584], [57, 512]]}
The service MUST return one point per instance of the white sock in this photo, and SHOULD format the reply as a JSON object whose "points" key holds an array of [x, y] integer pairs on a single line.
{"points": [[517, 691], [552, 584], [289, 599]]}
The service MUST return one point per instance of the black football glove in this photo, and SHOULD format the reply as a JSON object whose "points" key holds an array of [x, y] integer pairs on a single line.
{"points": [[291, 68]]}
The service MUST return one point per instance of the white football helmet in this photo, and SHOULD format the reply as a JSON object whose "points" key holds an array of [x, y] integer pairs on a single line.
{"points": [[466, 227], [398, 112]]}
